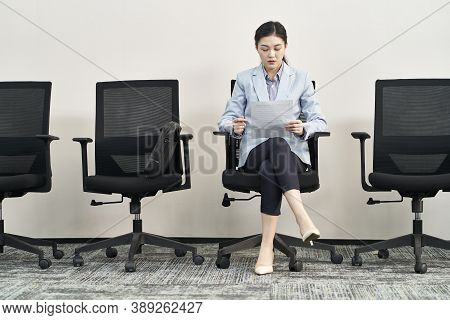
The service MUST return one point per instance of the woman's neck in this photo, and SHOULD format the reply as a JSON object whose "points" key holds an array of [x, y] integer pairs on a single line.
{"points": [[272, 73]]}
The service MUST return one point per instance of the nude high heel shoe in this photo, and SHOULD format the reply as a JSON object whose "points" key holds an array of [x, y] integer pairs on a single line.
{"points": [[311, 235], [261, 269]]}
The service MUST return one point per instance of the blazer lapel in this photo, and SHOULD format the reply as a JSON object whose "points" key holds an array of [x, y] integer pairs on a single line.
{"points": [[286, 81], [259, 83]]}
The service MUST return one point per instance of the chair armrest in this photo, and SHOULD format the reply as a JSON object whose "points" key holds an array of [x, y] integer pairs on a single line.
{"points": [[362, 137], [313, 146], [185, 137], [221, 133], [317, 135], [83, 142], [46, 137], [231, 147], [187, 165], [47, 140]]}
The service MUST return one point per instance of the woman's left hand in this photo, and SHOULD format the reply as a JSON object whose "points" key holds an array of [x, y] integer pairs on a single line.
{"points": [[295, 126]]}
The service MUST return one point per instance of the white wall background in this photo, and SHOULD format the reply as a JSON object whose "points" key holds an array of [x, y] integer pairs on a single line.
{"points": [[204, 44]]}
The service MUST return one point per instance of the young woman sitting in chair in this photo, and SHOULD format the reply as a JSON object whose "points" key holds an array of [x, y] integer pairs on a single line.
{"points": [[276, 159]]}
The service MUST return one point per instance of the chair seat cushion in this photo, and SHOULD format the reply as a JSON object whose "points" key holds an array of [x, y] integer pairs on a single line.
{"points": [[410, 183], [21, 182], [241, 181], [130, 185]]}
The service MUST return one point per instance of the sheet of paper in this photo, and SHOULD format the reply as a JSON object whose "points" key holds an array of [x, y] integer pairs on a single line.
{"points": [[268, 118]]}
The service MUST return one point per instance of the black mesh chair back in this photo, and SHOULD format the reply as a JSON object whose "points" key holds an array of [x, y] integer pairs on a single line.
{"points": [[412, 127], [24, 113], [129, 116]]}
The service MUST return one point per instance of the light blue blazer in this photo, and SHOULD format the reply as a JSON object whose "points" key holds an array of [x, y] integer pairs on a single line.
{"points": [[294, 85]]}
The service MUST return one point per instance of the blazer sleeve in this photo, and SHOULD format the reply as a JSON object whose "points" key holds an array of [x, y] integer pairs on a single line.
{"points": [[235, 108], [315, 121]]}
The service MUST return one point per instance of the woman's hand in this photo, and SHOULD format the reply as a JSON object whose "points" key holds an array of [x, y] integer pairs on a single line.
{"points": [[239, 125], [295, 126]]}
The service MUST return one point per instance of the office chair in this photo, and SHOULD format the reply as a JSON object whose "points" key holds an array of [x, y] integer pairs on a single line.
{"points": [[25, 155], [129, 116], [240, 181], [410, 154]]}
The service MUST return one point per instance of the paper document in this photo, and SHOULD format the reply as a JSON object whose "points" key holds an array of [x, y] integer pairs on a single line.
{"points": [[267, 119]]}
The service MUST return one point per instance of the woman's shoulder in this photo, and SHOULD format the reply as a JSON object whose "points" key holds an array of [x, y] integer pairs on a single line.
{"points": [[300, 73], [247, 74]]}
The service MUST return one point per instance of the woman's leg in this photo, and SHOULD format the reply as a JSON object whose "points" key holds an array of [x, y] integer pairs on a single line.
{"points": [[305, 223], [285, 167], [270, 210], [271, 196], [269, 226], [278, 169]]}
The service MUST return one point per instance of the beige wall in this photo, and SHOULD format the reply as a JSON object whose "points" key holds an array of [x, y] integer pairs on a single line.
{"points": [[204, 44]]}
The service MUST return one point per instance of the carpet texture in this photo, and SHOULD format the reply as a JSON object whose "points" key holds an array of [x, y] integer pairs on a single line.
{"points": [[162, 275]]}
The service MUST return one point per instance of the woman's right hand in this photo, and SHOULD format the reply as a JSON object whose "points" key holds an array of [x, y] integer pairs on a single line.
{"points": [[239, 125]]}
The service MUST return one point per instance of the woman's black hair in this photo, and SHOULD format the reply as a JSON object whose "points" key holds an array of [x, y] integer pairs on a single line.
{"points": [[271, 28]]}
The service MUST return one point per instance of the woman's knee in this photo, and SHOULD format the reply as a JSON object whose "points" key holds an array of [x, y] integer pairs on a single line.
{"points": [[271, 204], [273, 214]]}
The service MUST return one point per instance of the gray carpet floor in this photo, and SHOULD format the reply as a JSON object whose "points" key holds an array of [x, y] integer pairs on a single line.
{"points": [[162, 275]]}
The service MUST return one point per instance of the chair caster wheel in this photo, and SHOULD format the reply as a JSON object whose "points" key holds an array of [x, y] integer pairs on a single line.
{"points": [[44, 263], [130, 266], [223, 262], [78, 261], [180, 252], [357, 261], [420, 268], [336, 258], [297, 266], [383, 253], [58, 254], [111, 252], [198, 260]]}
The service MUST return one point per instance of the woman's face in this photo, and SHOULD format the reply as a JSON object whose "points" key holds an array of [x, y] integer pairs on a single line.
{"points": [[271, 51]]}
